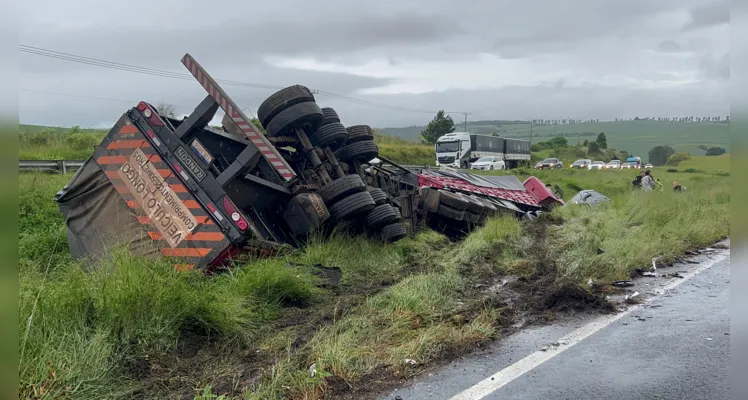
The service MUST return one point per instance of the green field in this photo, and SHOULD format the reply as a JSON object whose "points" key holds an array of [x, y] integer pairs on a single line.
{"points": [[135, 328], [636, 137]]}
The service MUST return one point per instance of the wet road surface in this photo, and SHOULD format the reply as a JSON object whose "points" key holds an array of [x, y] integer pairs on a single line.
{"points": [[675, 346]]}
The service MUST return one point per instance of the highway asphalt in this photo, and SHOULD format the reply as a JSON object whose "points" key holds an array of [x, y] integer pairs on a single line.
{"points": [[676, 345]]}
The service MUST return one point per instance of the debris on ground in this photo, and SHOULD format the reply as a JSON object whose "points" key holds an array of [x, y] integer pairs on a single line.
{"points": [[589, 197], [622, 283], [632, 295]]}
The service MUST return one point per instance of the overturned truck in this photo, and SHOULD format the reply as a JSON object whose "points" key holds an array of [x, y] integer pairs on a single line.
{"points": [[201, 196]]}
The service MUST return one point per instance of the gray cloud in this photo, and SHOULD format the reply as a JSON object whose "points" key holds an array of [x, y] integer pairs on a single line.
{"points": [[716, 68], [710, 14], [591, 41], [670, 46]]}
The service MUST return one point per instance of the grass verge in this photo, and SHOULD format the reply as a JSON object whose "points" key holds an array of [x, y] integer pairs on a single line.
{"points": [[137, 329]]}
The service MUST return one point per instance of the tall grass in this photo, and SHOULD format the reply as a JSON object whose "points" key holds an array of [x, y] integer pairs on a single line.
{"points": [[639, 227], [83, 333], [405, 152]]}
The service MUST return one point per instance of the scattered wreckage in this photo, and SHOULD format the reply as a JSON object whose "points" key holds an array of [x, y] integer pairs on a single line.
{"points": [[201, 196]]}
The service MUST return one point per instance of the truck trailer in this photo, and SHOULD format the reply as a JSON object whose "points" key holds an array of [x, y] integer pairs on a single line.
{"points": [[200, 196], [460, 149]]}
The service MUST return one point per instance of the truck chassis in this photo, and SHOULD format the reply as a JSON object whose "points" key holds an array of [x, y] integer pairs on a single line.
{"points": [[200, 196]]}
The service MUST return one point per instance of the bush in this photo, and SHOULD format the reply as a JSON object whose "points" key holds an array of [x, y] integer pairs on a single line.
{"points": [[82, 141], [42, 138], [678, 157]]}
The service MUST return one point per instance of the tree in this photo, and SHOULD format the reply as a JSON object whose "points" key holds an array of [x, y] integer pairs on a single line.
{"points": [[602, 141], [586, 143], [166, 110], [703, 147], [438, 126], [658, 155], [715, 151], [678, 158], [593, 148]]}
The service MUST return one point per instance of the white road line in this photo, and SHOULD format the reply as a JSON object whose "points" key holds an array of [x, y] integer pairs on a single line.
{"points": [[508, 374]]}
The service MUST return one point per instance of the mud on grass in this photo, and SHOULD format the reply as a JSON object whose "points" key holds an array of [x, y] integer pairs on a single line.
{"points": [[362, 339], [430, 318]]}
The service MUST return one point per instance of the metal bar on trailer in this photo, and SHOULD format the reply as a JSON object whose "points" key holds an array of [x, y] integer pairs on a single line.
{"points": [[267, 150], [200, 117]]}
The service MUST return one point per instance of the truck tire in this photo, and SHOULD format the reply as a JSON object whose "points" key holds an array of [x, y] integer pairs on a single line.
{"points": [[453, 200], [342, 187], [303, 115], [351, 206], [378, 195], [393, 232], [330, 116], [328, 134], [380, 216], [451, 213], [281, 100], [358, 151], [398, 215], [359, 133]]}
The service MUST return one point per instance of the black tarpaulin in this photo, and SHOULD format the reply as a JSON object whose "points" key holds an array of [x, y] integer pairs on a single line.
{"points": [[98, 218]]}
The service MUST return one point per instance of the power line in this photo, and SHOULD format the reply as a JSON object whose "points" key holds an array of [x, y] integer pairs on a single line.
{"points": [[174, 75], [90, 97]]}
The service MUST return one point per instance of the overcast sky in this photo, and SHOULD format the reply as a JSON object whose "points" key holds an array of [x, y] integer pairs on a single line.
{"points": [[498, 59]]}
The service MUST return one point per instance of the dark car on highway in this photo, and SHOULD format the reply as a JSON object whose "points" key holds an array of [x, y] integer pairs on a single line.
{"points": [[549, 163]]}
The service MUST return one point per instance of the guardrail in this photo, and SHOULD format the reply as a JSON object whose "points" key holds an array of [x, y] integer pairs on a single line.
{"points": [[50, 165]]}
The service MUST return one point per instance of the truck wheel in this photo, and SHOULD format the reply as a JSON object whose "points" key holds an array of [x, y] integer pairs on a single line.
{"points": [[380, 216], [330, 116], [359, 133], [451, 213], [328, 134], [378, 195], [398, 215], [452, 200], [340, 188], [358, 151], [351, 206], [393, 232], [303, 115], [281, 100]]}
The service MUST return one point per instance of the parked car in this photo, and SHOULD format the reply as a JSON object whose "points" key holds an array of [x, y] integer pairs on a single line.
{"points": [[549, 163], [488, 163], [627, 166], [648, 166], [614, 164], [598, 165], [581, 164]]}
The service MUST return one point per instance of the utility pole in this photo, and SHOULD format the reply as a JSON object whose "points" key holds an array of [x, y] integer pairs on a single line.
{"points": [[531, 124], [466, 115]]}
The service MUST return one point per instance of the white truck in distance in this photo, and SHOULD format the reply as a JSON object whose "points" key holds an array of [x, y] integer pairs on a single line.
{"points": [[460, 149]]}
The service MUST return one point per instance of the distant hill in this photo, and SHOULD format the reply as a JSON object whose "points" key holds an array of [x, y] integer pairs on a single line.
{"points": [[636, 137]]}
